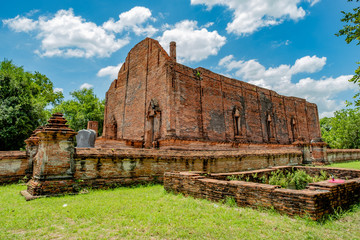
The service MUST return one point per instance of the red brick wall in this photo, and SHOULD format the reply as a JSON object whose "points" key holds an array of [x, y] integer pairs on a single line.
{"points": [[218, 96], [101, 167]]}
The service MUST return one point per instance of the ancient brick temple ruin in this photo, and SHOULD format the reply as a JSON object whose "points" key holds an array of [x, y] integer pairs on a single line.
{"points": [[164, 120], [157, 102]]}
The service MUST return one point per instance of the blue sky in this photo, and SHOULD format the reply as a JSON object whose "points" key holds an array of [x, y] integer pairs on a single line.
{"points": [[285, 45]]}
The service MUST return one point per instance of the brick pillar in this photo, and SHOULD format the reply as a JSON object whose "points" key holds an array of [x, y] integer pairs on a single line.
{"points": [[305, 148], [54, 167], [173, 50], [307, 156], [94, 125], [319, 156]]}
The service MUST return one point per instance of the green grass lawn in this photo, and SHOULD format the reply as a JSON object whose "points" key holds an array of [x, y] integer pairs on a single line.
{"points": [[148, 212], [352, 165]]}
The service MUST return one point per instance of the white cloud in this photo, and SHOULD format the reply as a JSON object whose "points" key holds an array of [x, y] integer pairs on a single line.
{"points": [[251, 15], [308, 64], [209, 24], [68, 35], [313, 2], [279, 79], [32, 12], [58, 90], [111, 71], [21, 24], [86, 85], [193, 43], [71, 36], [276, 44], [132, 20]]}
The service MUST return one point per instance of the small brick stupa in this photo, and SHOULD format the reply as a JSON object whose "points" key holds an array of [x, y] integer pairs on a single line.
{"points": [[53, 170]]}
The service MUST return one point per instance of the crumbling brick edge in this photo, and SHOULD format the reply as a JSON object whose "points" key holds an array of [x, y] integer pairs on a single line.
{"points": [[315, 202]]}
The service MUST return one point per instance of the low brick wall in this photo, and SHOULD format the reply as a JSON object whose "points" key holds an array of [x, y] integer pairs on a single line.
{"points": [[99, 167], [107, 167], [342, 155], [319, 199], [13, 166]]}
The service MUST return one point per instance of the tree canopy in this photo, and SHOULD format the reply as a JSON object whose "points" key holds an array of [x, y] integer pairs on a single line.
{"points": [[24, 97], [342, 130], [352, 32], [84, 107]]}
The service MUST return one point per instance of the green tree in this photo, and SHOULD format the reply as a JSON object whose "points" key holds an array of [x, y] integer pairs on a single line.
{"points": [[342, 130], [24, 97], [84, 107], [352, 32]]}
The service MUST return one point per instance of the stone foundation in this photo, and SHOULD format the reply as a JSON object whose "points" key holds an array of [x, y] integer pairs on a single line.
{"points": [[317, 200]]}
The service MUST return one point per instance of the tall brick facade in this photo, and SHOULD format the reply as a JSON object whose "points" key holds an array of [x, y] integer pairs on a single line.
{"points": [[156, 100]]}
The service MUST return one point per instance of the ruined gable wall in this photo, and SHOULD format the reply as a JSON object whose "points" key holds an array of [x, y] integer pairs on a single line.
{"points": [[141, 78], [114, 105], [134, 109], [158, 88]]}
